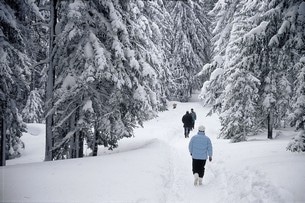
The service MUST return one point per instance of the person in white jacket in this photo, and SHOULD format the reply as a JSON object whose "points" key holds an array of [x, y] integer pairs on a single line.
{"points": [[200, 148]]}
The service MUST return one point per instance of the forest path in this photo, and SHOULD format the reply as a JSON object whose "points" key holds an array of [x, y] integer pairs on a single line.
{"points": [[224, 180]]}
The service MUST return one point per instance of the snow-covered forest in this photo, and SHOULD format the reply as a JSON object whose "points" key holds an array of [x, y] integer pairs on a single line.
{"points": [[94, 70]]}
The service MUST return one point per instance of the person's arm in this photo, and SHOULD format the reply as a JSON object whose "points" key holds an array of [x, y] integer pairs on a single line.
{"points": [[210, 150], [191, 146]]}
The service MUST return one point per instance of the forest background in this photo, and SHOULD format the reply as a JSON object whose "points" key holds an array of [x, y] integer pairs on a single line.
{"points": [[92, 71]]}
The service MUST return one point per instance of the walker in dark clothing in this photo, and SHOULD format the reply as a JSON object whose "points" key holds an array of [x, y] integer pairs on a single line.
{"points": [[187, 124]]}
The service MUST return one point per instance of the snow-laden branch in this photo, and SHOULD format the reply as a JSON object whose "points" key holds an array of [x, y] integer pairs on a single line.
{"points": [[42, 62]]}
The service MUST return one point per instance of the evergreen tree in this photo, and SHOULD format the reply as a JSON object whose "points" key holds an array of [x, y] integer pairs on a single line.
{"points": [[223, 15], [16, 58], [284, 31], [298, 115], [189, 46], [33, 110], [50, 79], [108, 72], [38, 46], [260, 38]]}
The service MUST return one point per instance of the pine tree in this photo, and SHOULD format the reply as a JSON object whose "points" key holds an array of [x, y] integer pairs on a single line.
{"points": [[105, 83], [241, 93], [239, 108], [33, 110], [37, 43], [156, 14], [223, 15], [16, 58], [189, 46], [49, 101], [298, 115], [261, 36]]}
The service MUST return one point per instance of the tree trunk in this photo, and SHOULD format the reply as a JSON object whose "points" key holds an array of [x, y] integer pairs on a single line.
{"points": [[2, 133], [95, 144], [72, 144], [76, 144], [50, 84], [270, 125], [81, 144]]}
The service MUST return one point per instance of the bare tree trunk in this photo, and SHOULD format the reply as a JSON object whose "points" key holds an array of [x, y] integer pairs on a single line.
{"points": [[76, 145], [50, 84], [72, 149], [77, 141], [81, 144], [2, 133], [270, 125], [95, 146]]}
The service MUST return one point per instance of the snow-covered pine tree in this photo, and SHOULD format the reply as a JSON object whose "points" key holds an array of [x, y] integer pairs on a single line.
{"points": [[239, 107], [158, 19], [284, 41], [240, 96], [105, 84], [190, 43], [144, 19], [76, 72], [16, 58], [37, 43], [223, 18], [269, 54], [50, 79], [134, 46], [161, 17], [33, 110], [298, 114], [233, 85]]}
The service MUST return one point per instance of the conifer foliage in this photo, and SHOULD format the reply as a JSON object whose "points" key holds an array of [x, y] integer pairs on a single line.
{"points": [[97, 69], [257, 45], [108, 74], [16, 58], [190, 46], [298, 113]]}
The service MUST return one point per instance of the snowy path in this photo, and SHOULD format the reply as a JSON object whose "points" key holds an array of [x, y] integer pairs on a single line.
{"points": [[232, 183], [155, 166]]}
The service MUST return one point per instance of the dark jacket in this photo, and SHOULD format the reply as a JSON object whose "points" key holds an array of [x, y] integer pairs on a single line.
{"points": [[187, 120]]}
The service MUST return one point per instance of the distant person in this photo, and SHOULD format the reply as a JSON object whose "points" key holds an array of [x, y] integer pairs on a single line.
{"points": [[193, 114], [187, 123], [200, 148]]}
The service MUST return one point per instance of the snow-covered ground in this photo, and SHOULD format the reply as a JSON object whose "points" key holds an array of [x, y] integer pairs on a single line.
{"points": [[155, 166]]}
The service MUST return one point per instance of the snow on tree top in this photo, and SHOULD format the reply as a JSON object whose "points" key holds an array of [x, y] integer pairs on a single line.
{"points": [[258, 30], [302, 9], [68, 82]]}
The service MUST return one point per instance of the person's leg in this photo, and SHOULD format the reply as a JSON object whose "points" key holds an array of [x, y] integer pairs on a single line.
{"points": [[185, 132], [196, 167], [201, 170]]}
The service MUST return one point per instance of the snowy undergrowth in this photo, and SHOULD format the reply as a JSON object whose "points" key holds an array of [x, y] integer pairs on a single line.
{"points": [[155, 166]]}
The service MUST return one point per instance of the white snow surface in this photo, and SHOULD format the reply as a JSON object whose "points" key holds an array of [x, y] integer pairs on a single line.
{"points": [[155, 166]]}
